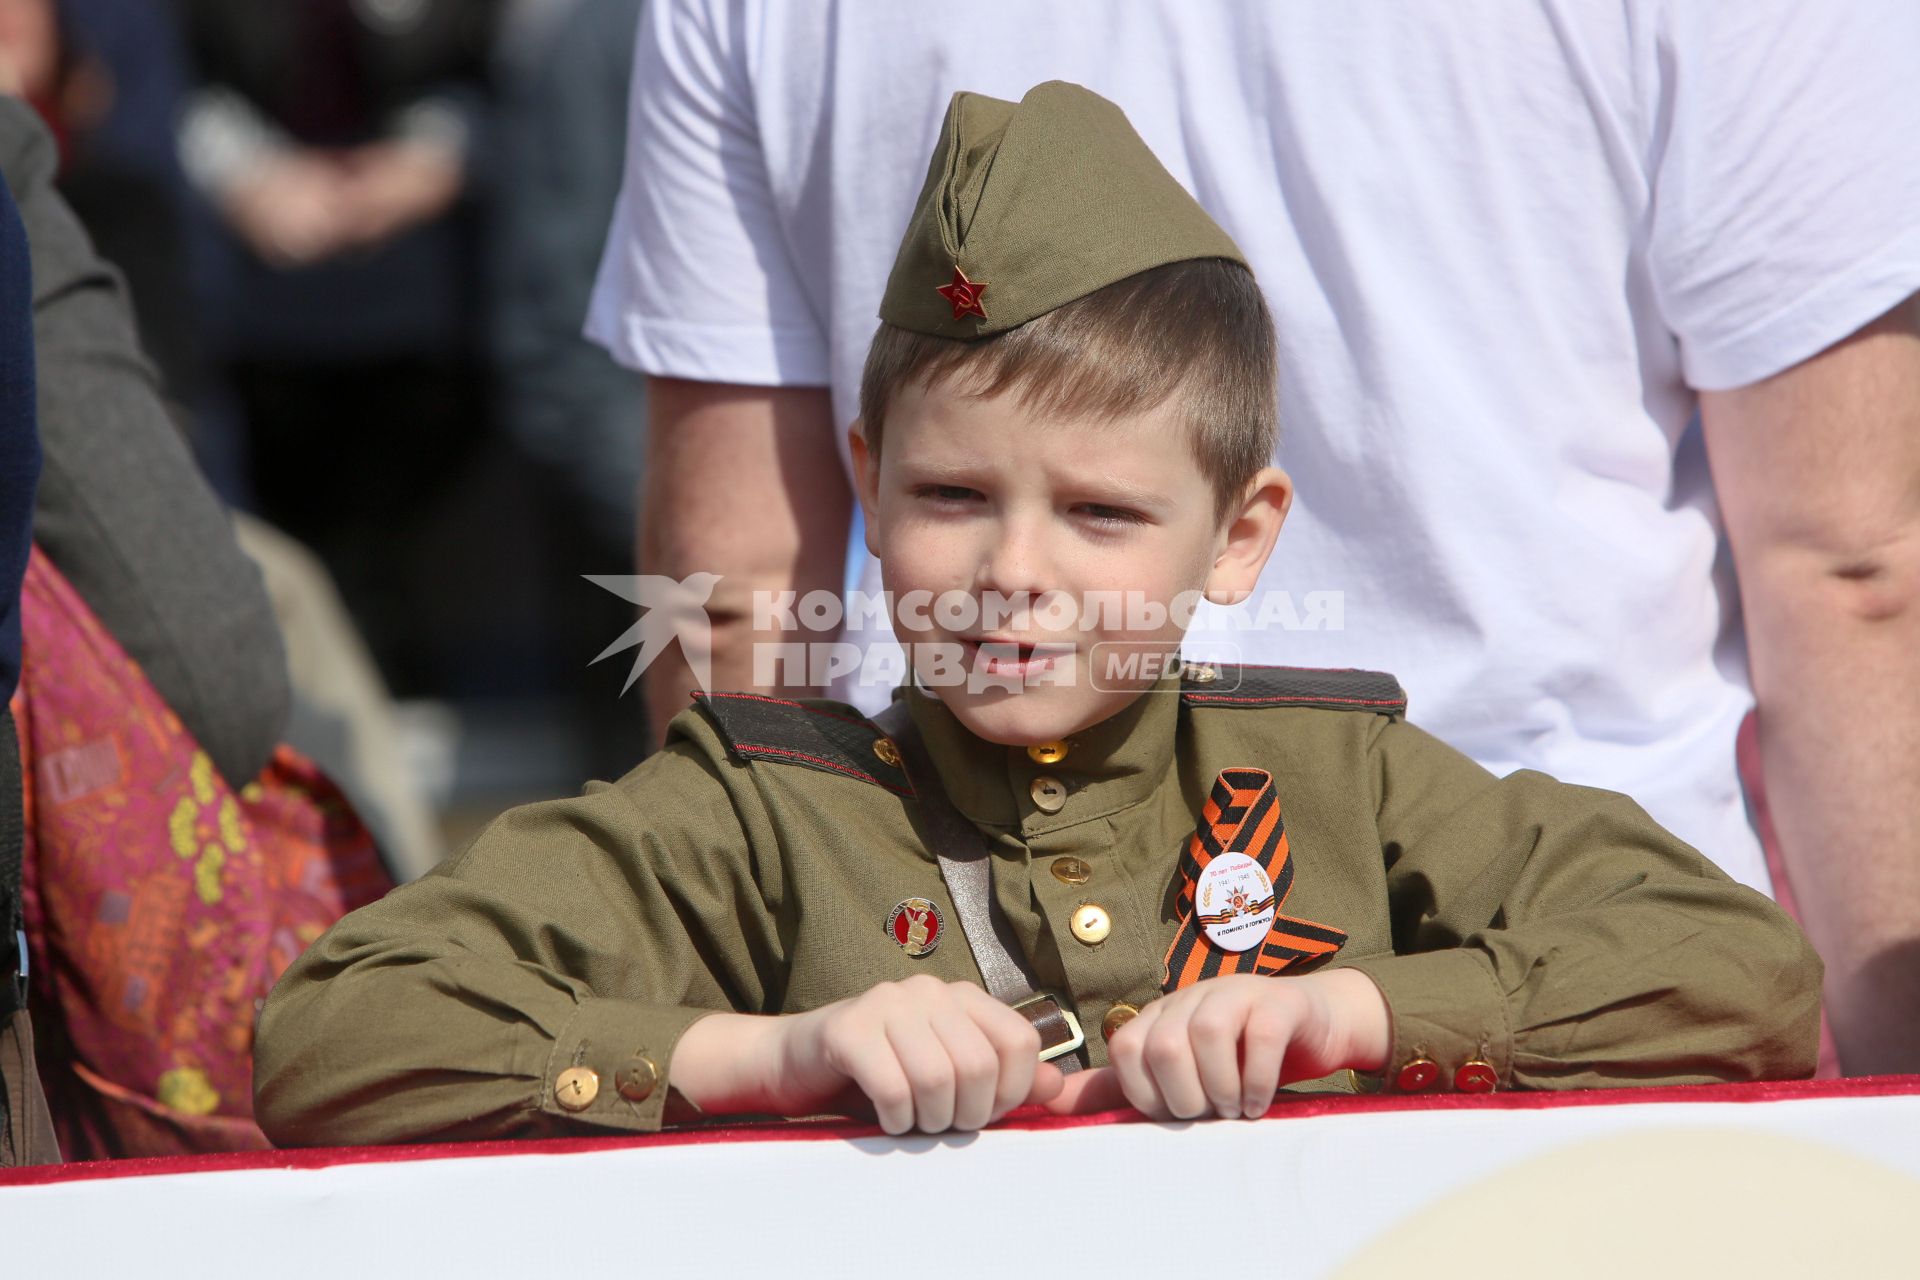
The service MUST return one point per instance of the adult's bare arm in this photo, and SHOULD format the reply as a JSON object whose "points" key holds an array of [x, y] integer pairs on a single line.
{"points": [[1818, 473], [745, 482]]}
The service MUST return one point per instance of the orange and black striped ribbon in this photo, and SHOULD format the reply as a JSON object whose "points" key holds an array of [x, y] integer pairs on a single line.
{"points": [[1242, 816]]}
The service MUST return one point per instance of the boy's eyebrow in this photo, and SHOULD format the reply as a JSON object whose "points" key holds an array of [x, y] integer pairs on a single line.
{"points": [[928, 469]]}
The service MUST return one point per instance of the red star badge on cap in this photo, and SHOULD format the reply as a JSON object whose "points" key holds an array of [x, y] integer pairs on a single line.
{"points": [[964, 294]]}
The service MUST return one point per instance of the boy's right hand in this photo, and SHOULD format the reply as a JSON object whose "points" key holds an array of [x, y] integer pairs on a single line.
{"points": [[928, 1055]]}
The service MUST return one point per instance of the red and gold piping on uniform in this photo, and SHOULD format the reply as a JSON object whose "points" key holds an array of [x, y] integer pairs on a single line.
{"points": [[1242, 815]]}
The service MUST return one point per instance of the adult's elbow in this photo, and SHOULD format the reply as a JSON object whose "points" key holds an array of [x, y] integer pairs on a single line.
{"points": [[1866, 575], [1880, 582]]}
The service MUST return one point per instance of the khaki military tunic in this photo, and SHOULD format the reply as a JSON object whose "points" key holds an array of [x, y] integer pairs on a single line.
{"points": [[541, 978]]}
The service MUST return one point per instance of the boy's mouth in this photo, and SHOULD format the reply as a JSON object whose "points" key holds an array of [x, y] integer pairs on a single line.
{"points": [[1007, 656]]}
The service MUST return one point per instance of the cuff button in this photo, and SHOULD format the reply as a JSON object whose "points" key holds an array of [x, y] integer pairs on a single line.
{"points": [[637, 1080], [576, 1088], [1476, 1077], [1418, 1074]]}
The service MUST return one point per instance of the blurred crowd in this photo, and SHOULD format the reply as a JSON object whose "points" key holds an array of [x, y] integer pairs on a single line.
{"points": [[359, 238]]}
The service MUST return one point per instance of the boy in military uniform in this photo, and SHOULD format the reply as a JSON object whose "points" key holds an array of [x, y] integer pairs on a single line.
{"points": [[1051, 872]]}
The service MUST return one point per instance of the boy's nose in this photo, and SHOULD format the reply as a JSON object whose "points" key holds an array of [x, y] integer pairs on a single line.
{"points": [[1017, 562]]}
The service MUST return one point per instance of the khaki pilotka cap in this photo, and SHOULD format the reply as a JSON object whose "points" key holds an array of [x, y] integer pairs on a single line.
{"points": [[1030, 206]]}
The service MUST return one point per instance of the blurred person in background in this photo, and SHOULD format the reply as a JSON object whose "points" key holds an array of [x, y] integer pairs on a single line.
{"points": [[352, 152], [340, 142], [26, 1125], [122, 512], [176, 853], [476, 577], [106, 76], [563, 68]]}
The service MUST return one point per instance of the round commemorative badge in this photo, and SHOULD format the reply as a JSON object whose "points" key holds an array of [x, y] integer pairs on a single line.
{"points": [[1234, 902], [915, 925]]}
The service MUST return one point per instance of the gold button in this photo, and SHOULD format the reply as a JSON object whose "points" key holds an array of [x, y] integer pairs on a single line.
{"points": [[888, 753], [1117, 1017], [1048, 793], [1201, 673], [576, 1088], [636, 1079], [1071, 871], [1047, 752], [1091, 923]]}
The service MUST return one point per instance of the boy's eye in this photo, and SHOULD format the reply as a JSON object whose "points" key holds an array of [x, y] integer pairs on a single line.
{"points": [[1100, 513], [946, 492]]}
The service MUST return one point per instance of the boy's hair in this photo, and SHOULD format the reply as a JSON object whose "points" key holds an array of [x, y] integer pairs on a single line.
{"points": [[1198, 328]]}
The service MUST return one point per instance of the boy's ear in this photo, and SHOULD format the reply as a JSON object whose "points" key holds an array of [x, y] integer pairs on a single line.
{"points": [[866, 483], [1247, 540]]}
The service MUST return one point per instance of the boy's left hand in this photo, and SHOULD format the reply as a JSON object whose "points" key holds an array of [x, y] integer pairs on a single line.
{"points": [[1224, 1046]]}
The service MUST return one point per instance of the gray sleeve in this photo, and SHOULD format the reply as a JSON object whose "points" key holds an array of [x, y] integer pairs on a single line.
{"points": [[122, 509]]}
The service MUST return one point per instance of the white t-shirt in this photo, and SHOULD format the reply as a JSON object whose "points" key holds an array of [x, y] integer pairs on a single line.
{"points": [[1502, 240]]}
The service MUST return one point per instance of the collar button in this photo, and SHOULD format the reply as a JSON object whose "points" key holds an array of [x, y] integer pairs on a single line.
{"points": [[1091, 924], [1049, 793], [1047, 752], [1071, 870]]}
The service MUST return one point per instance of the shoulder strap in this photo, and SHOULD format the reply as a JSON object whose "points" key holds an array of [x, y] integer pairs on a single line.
{"points": [[1205, 684], [966, 866], [830, 737]]}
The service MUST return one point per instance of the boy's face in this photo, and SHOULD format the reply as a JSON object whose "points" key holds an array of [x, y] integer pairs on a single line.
{"points": [[985, 508]]}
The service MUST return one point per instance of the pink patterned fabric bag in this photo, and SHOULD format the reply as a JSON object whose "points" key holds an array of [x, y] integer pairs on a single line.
{"points": [[161, 903]]}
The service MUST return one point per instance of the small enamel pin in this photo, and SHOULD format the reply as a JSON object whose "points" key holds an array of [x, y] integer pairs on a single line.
{"points": [[964, 294], [915, 924]]}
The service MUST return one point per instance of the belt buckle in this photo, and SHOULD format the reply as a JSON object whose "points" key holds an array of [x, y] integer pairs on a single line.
{"points": [[1079, 1037]]}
